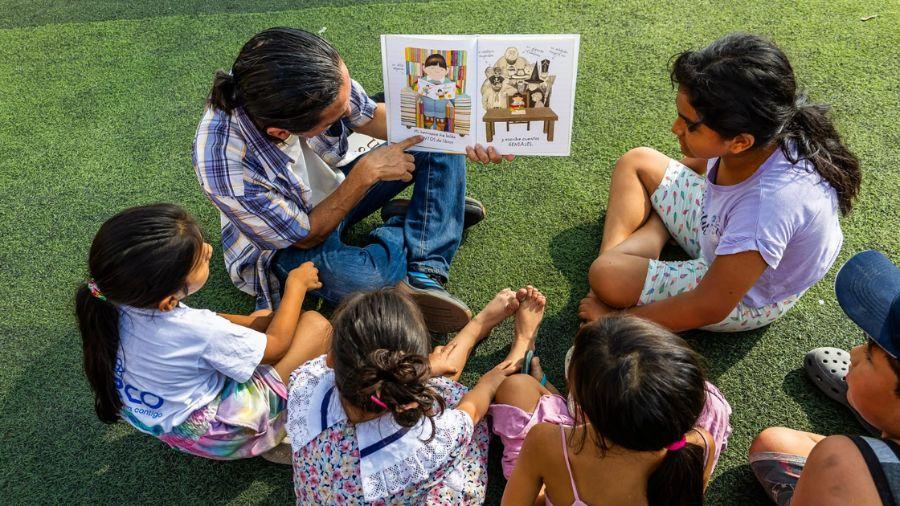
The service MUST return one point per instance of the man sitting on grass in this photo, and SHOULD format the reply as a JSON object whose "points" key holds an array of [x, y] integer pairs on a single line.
{"points": [[266, 154], [799, 468]]}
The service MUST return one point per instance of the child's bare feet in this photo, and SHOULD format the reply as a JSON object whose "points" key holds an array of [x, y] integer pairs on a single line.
{"points": [[501, 307], [530, 313], [591, 308]]}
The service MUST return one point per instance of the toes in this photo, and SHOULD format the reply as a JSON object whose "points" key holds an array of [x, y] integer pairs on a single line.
{"points": [[521, 294]]}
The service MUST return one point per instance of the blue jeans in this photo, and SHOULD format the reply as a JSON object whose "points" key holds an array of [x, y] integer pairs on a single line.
{"points": [[424, 241]]}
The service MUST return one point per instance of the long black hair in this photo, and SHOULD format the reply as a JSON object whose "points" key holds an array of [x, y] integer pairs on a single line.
{"points": [[138, 257], [283, 78], [744, 83], [642, 387], [380, 347]]}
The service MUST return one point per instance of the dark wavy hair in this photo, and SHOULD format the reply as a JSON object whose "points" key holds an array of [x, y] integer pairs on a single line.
{"points": [[283, 78], [138, 257], [380, 347], [743, 83], [642, 387]]}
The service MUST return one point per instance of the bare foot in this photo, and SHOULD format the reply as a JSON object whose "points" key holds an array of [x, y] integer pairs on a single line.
{"points": [[530, 314], [501, 307], [591, 308]]}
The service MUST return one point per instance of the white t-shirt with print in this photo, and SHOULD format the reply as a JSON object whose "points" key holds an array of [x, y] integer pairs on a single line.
{"points": [[310, 169], [174, 362]]}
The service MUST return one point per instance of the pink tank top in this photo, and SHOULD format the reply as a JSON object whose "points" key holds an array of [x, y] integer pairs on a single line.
{"points": [[565, 447]]}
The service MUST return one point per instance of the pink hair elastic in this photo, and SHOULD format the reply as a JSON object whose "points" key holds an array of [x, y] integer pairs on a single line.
{"points": [[378, 401], [677, 445]]}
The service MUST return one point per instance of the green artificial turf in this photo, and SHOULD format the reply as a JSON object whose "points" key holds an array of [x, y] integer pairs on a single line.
{"points": [[98, 105]]}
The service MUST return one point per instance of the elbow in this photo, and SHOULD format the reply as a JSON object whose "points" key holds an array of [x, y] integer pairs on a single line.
{"points": [[709, 310], [311, 240], [711, 314]]}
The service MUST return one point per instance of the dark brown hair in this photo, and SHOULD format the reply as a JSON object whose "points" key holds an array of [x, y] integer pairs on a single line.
{"points": [[744, 83], [642, 387], [283, 78], [138, 257], [380, 347]]}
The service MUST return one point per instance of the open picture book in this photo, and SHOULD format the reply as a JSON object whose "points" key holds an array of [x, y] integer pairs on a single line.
{"points": [[513, 92]]}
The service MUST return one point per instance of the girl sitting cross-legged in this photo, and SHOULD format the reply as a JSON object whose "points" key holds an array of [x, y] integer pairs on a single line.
{"points": [[380, 419], [207, 384], [755, 201], [642, 426]]}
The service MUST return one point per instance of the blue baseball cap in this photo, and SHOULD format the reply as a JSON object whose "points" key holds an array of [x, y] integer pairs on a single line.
{"points": [[868, 290]]}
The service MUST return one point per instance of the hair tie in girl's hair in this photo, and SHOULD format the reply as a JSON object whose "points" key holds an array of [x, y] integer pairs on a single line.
{"points": [[95, 290], [378, 401], [677, 445]]}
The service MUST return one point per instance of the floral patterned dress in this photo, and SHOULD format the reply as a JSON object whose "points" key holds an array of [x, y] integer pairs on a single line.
{"points": [[450, 470]]}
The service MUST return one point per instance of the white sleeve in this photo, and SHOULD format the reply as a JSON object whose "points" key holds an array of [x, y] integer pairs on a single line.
{"points": [[232, 349]]}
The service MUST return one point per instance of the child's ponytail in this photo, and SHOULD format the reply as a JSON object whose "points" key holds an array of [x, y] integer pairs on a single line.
{"points": [[138, 258], [679, 478], [812, 131], [379, 350], [98, 321]]}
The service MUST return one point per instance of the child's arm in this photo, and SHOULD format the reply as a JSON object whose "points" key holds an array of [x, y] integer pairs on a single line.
{"points": [[478, 400], [258, 320], [728, 279], [280, 332], [525, 482], [697, 165]]}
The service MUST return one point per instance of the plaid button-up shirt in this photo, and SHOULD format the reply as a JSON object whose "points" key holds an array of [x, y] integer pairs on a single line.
{"points": [[263, 204]]}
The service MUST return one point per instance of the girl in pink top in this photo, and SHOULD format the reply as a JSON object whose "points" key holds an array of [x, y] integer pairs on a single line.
{"points": [[642, 427], [754, 202]]}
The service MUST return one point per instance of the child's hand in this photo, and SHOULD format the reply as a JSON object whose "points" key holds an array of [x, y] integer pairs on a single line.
{"points": [[306, 276], [439, 360], [495, 376]]}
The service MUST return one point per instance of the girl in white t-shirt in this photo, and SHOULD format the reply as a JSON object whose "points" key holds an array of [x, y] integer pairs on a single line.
{"points": [[208, 384]]}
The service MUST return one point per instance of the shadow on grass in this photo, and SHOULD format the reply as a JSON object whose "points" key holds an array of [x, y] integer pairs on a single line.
{"points": [[737, 485], [825, 415], [573, 250], [22, 13], [56, 450]]}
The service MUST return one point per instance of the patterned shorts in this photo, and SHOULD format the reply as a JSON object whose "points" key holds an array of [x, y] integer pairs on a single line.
{"points": [[678, 201], [778, 473], [245, 420]]}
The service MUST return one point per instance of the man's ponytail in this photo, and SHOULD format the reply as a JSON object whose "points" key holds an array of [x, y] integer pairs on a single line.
{"points": [[98, 321], [813, 133], [224, 93]]}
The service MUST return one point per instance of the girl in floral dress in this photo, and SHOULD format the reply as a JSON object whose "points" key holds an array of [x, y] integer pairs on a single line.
{"points": [[376, 421]]}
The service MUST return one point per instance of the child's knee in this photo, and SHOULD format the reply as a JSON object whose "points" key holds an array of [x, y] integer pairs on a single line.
{"points": [[604, 279], [519, 390], [773, 439], [637, 157], [313, 322]]}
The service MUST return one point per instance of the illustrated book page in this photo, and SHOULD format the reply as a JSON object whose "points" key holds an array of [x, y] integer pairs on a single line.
{"points": [[429, 90], [513, 92]]}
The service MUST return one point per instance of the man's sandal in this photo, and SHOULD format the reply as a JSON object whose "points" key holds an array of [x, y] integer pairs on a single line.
{"points": [[827, 368]]}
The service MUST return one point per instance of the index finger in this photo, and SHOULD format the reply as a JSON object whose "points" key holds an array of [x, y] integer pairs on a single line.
{"points": [[410, 142]]}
